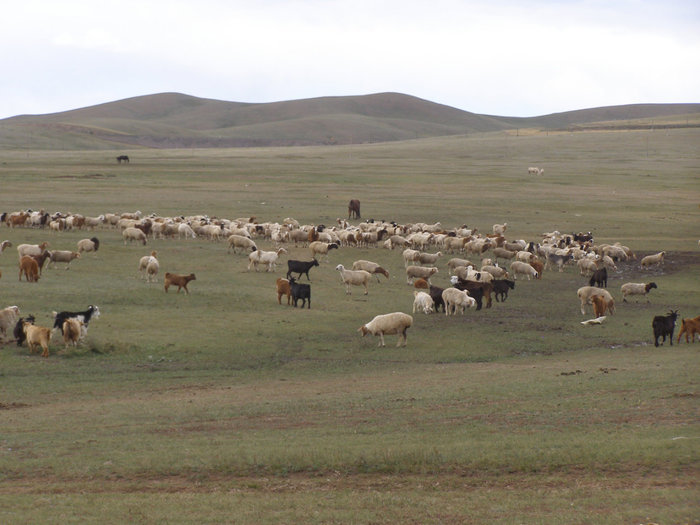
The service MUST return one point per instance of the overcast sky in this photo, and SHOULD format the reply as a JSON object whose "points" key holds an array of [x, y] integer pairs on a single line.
{"points": [[508, 58]]}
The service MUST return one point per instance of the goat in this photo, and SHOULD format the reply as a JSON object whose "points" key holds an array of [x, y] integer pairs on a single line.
{"points": [[178, 280], [300, 267], [599, 278], [663, 326], [300, 291], [92, 311], [689, 327]]}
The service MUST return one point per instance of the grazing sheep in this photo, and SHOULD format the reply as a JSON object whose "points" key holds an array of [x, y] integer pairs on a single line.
{"points": [[608, 263], [689, 327], [422, 301], [186, 230], [143, 264], [587, 265], [421, 284], [429, 258], [37, 336], [423, 272], [322, 248], [585, 293], [29, 268], [522, 268], [455, 263], [283, 289], [371, 267], [178, 280], [239, 241], [663, 326], [455, 299], [133, 234], [628, 289], [496, 271], [64, 256], [393, 323], [656, 259], [8, 319], [269, 259], [353, 277], [152, 269], [503, 253], [4, 244], [600, 305], [88, 245]]}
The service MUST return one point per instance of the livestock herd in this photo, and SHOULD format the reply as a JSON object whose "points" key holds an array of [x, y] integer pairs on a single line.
{"points": [[499, 262]]}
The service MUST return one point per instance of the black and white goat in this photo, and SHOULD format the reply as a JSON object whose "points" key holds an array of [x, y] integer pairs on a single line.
{"points": [[92, 312]]}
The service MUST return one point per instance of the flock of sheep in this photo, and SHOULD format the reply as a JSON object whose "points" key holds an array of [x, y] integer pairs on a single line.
{"points": [[499, 262]]}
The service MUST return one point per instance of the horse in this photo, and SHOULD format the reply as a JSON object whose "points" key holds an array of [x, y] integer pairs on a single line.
{"points": [[354, 209], [124, 158]]}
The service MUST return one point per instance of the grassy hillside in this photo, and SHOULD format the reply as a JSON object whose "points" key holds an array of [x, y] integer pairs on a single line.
{"points": [[172, 120]]}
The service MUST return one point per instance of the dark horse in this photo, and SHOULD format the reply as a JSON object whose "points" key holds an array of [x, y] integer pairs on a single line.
{"points": [[354, 209], [124, 158]]}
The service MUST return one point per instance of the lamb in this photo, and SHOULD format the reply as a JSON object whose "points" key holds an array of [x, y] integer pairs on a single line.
{"points": [[322, 248], [586, 292], [37, 336], [64, 256], [239, 241], [88, 245], [8, 319], [393, 323], [178, 280], [353, 277], [636, 289], [423, 272], [689, 327], [31, 249], [133, 234], [455, 299], [29, 268], [371, 267], [656, 259], [283, 289], [143, 264], [422, 301], [522, 268], [269, 259]]}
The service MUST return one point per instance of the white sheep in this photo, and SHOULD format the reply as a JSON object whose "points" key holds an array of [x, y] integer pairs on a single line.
{"points": [[422, 301], [657, 259], [133, 234], [496, 271], [269, 259], [636, 289], [393, 323], [499, 229], [65, 256], [587, 265], [522, 268], [186, 230], [354, 277], [455, 299], [371, 267], [429, 258], [410, 256], [31, 249], [239, 241], [423, 272], [143, 264], [88, 245], [586, 293], [152, 269], [322, 248], [8, 319], [454, 263], [4, 244]]}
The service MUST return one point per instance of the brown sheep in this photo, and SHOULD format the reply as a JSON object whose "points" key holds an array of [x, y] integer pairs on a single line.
{"points": [[30, 268], [421, 283], [178, 280], [283, 289]]}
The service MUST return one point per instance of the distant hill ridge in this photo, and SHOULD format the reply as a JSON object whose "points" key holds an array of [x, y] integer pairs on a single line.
{"points": [[174, 120]]}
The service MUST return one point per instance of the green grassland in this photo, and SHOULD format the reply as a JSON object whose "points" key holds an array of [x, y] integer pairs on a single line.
{"points": [[223, 406]]}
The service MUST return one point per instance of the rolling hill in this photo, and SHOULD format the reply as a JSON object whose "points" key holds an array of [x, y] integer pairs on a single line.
{"points": [[174, 120]]}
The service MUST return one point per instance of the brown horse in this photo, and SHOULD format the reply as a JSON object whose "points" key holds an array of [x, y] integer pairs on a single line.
{"points": [[124, 158], [354, 209]]}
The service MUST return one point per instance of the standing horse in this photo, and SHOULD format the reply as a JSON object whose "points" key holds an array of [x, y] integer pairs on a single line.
{"points": [[354, 209], [124, 158]]}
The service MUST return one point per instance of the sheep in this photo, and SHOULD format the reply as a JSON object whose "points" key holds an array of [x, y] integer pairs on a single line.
{"points": [[608, 263], [393, 323], [429, 258], [689, 327], [8, 319], [143, 264], [525, 256], [269, 259], [397, 241], [133, 234], [37, 336], [421, 284], [656, 259], [322, 248], [454, 263], [453, 244], [534, 170], [663, 325], [186, 230], [496, 271], [410, 256], [371, 267], [586, 292], [152, 269], [587, 265], [283, 289], [88, 245], [600, 305], [424, 272], [539, 268], [29, 268], [456, 300], [503, 253], [353, 277], [636, 289], [239, 241], [74, 330], [31, 249], [499, 229], [522, 268], [599, 278], [501, 287], [422, 301], [4, 244], [64, 256], [178, 280]]}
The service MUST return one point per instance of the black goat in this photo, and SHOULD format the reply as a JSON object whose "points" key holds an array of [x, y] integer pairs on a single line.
{"points": [[599, 278], [663, 326], [18, 331], [85, 316], [300, 267], [300, 291], [436, 296], [501, 287]]}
